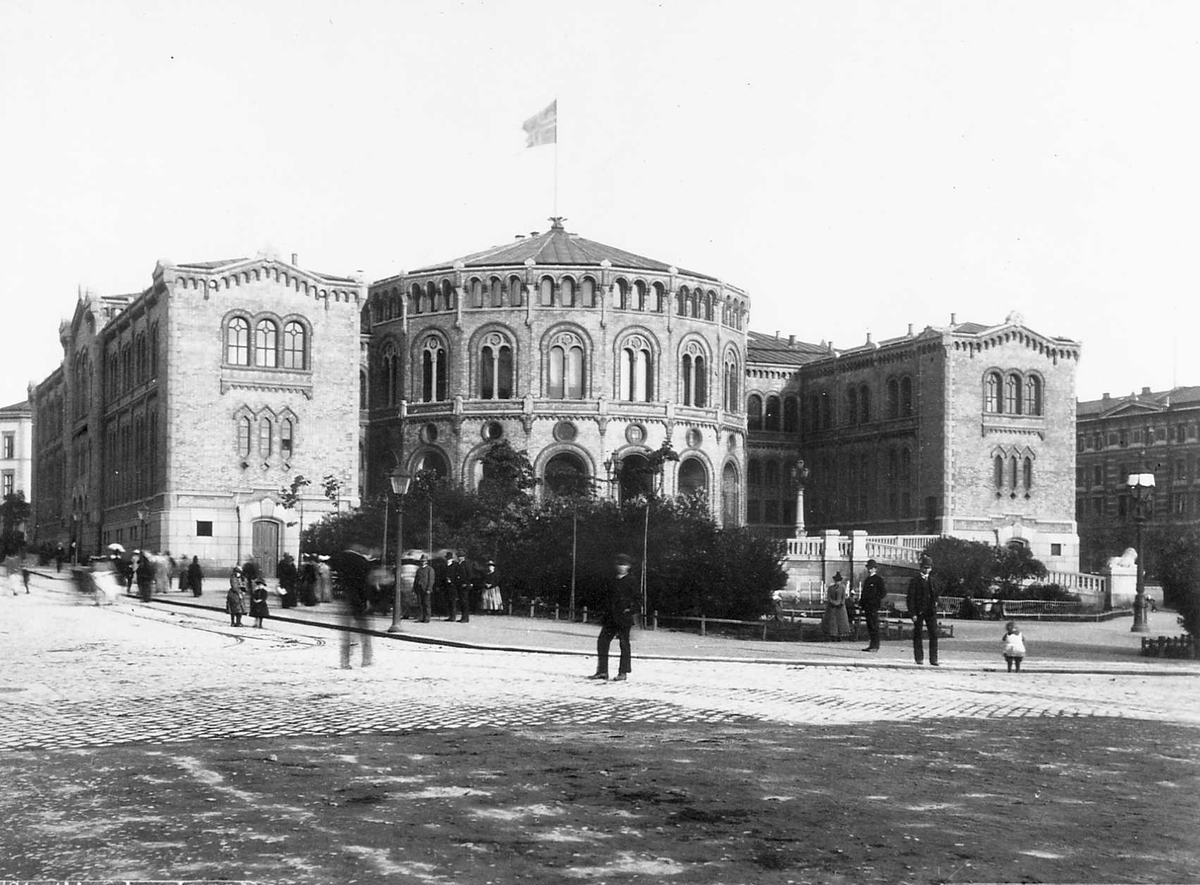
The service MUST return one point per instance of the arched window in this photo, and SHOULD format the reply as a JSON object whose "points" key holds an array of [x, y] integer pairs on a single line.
{"points": [[851, 415], [432, 294], [495, 367], [264, 437], [906, 397], [237, 344], [588, 292], [998, 473], [1028, 475], [754, 412], [637, 370], [772, 417], [696, 305], [1014, 467], [495, 296], [639, 295], [516, 292], [433, 371], [905, 482], [415, 299], [864, 405], [733, 399], [390, 366], [791, 415], [754, 472], [566, 474], [693, 477], [363, 395], [681, 298], [567, 296], [286, 439], [266, 335], [1033, 395], [991, 392], [694, 376], [476, 296], [546, 290], [1012, 394], [893, 398], [565, 370], [294, 349], [660, 298]]}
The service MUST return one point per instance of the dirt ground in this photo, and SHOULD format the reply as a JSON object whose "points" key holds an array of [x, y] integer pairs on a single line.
{"points": [[1038, 800]]}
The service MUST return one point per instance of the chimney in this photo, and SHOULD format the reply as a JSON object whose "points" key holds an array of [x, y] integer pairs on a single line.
{"points": [[910, 330], [1105, 396], [1145, 391], [791, 340], [954, 319], [868, 338], [776, 334], [295, 262]]}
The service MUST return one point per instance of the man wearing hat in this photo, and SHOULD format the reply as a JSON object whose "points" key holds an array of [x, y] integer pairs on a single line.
{"points": [[423, 583], [922, 607], [871, 595], [616, 619]]}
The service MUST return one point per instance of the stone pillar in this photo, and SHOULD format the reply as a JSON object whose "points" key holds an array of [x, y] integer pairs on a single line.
{"points": [[1120, 578], [831, 560], [858, 553]]}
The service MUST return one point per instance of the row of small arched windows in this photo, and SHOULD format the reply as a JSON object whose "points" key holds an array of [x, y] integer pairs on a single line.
{"points": [[637, 295], [1012, 393], [267, 348], [782, 413], [133, 362]]}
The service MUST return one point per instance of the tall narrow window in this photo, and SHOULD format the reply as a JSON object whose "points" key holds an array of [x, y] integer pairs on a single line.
{"points": [[771, 418], [991, 392], [286, 437], [546, 297], [433, 371], [754, 412], [266, 334], [265, 437], [998, 470], [565, 367], [851, 416], [294, 346], [864, 405], [516, 292], [567, 298], [237, 344], [244, 437], [495, 368], [693, 379], [1028, 475], [1012, 394], [1033, 396], [893, 398], [588, 293], [495, 297], [791, 415], [906, 397], [637, 370], [733, 399]]}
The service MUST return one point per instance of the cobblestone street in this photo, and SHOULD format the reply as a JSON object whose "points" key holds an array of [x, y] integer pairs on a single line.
{"points": [[145, 679]]}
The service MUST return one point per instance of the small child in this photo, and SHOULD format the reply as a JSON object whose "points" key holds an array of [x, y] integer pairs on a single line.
{"points": [[1014, 646], [258, 602]]}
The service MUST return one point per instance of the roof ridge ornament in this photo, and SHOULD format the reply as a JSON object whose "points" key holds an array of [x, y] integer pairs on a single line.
{"points": [[556, 222]]}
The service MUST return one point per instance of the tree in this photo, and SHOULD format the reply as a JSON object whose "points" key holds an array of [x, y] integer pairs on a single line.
{"points": [[1179, 571], [332, 487], [963, 568], [292, 497], [1013, 567]]}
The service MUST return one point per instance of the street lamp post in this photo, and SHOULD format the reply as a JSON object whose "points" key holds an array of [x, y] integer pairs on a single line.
{"points": [[1141, 488], [143, 514], [799, 480], [399, 480]]}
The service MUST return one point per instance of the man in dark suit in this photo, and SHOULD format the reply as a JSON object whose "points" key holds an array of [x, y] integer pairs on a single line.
{"points": [[423, 587], [616, 619], [922, 608], [870, 599], [451, 578]]}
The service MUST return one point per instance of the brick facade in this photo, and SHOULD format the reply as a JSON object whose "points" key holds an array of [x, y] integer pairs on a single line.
{"points": [[163, 409]]}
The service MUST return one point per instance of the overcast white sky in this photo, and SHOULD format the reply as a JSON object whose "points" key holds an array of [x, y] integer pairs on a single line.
{"points": [[855, 166]]}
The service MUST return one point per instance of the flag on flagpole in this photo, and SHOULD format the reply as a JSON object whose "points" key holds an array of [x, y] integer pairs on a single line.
{"points": [[542, 127]]}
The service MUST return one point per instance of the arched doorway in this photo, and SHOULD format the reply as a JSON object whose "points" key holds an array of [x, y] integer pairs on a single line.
{"points": [[264, 546], [637, 477], [693, 477], [432, 459], [730, 505], [566, 474]]}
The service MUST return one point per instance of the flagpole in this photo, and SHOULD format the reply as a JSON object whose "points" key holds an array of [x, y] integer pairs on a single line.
{"points": [[556, 157]]}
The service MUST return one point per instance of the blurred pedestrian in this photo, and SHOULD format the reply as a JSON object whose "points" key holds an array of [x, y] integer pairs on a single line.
{"points": [[235, 598], [286, 573], [423, 583], [834, 623], [616, 619], [195, 576], [258, 602], [1014, 646], [870, 600], [145, 575], [357, 574], [184, 577], [324, 579], [306, 581], [922, 599]]}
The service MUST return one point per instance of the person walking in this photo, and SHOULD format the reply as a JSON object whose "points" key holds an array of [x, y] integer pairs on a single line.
{"points": [[616, 619], [835, 624], [286, 574], [922, 599], [451, 578], [1014, 646], [306, 581], [423, 582], [870, 600], [324, 579], [195, 576], [184, 586], [235, 597], [357, 574], [145, 575], [258, 602]]}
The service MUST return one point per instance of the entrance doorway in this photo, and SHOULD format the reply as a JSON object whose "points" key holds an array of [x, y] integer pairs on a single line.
{"points": [[265, 546]]}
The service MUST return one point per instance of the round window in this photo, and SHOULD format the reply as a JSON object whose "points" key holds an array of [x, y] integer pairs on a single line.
{"points": [[493, 430], [635, 434], [694, 438], [564, 431], [429, 433]]}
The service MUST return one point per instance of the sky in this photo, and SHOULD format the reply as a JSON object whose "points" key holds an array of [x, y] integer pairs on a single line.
{"points": [[853, 166]]}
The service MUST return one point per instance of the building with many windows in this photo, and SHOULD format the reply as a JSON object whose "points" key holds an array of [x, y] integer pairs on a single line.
{"points": [[16, 452], [963, 430], [1149, 432], [179, 412], [586, 356]]}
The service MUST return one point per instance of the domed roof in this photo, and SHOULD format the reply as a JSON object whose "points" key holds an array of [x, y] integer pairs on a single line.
{"points": [[557, 247]]}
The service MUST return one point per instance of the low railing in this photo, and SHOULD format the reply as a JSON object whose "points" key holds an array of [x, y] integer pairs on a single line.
{"points": [[1077, 581]]}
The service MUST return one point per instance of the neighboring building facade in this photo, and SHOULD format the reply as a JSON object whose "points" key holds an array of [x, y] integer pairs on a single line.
{"points": [[1153, 432], [179, 412], [583, 355], [966, 430], [16, 452]]}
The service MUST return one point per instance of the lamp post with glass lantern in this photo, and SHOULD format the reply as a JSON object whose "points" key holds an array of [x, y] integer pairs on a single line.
{"points": [[399, 480], [1141, 488]]}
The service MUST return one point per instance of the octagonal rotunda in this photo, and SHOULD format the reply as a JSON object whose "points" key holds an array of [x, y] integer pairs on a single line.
{"points": [[584, 355]]}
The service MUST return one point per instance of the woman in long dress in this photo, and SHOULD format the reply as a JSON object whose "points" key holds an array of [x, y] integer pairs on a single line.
{"points": [[835, 624]]}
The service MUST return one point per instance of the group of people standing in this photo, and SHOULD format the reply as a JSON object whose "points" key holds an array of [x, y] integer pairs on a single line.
{"points": [[461, 587], [921, 599], [309, 583]]}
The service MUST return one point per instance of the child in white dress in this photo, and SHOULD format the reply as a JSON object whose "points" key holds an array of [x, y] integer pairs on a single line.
{"points": [[1014, 646]]}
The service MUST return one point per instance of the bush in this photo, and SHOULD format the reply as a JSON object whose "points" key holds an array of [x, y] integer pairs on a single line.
{"points": [[1179, 571]]}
